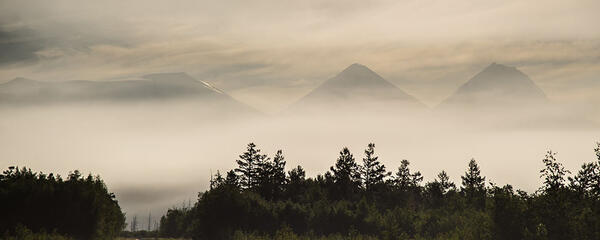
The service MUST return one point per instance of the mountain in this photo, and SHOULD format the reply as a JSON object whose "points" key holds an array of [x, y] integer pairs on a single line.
{"points": [[161, 87], [496, 86], [357, 87]]}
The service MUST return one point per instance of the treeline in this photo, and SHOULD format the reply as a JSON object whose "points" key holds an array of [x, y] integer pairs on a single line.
{"points": [[260, 200], [45, 206]]}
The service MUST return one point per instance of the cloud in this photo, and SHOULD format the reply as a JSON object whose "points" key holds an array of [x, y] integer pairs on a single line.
{"points": [[18, 46]]}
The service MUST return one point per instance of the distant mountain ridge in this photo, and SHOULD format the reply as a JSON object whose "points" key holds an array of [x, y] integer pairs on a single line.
{"points": [[356, 87], [162, 87]]}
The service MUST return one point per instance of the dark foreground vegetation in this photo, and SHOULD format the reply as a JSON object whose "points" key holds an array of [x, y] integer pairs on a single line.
{"points": [[260, 200], [40, 206]]}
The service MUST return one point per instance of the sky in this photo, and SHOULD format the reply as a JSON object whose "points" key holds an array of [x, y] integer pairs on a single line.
{"points": [[266, 49]]}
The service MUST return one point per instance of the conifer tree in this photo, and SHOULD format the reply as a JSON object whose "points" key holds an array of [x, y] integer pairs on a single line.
{"points": [[278, 172], [444, 181], [345, 169], [345, 174], [216, 180], [596, 176], [372, 171], [271, 176], [404, 179], [296, 175], [472, 181], [248, 165], [232, 180], [553, 173], [597, 151], [585, 180], [473, 185]]}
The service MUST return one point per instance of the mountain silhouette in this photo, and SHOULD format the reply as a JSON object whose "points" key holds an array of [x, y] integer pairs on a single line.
{"points": [[357, 86], [497, 85], [160, 87]]}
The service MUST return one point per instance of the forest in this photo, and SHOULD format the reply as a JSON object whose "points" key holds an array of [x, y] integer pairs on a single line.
{"points": [[261, 199], [363, 200], [46, 206]]}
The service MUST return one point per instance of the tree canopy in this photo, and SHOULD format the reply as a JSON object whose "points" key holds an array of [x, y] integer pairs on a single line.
{"points": [[78, 207], [364, 201]]}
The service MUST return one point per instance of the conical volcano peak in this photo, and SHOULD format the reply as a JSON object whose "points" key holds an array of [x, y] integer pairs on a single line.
{"points": [[357, 67], [357, 86], [498, 76], [499, 84], [496, 69], [358, 70]]}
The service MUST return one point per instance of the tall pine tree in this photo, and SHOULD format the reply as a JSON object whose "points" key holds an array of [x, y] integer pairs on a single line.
{"points": [[372, 171], [473, 185], [271, 176], [345, 174], [248, 166], [404, 179], [444, 181]]}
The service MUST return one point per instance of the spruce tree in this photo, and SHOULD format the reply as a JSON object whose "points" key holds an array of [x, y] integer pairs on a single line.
{"points": [[296, 175], [248, 166], [444, 181], [596, 176], [473, 185], [278, 177], [372, 171], [404, 179], [597, 151], [216, 180], [345, 173], [232, 180], [585, 180], [271, 176]]}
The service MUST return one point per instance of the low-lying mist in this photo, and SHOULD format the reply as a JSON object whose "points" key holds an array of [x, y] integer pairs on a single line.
{"points": [[157, 155]]}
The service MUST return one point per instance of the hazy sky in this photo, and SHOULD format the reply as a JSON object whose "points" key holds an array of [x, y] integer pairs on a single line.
{"points": [[264, 50], [269, 53]]}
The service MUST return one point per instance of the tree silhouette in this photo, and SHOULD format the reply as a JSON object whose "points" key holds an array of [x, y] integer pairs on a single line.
{"points": [[334, 206], [404, 179], [586, 179], [444, 180], [296, 175], [553, 173], [473, 185], [345, 173], [216, 180], [271, 176], [596, 176], [328, 206], [232, 180], [372, 171], [248, 166], [597, 151], [79, 207]]}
